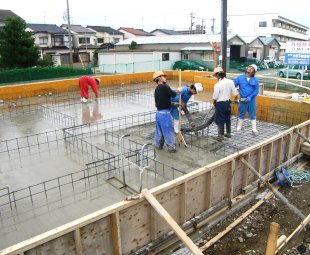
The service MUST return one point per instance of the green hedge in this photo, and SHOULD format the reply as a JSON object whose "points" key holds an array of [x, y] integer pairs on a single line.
{"points": [[41, 73]]}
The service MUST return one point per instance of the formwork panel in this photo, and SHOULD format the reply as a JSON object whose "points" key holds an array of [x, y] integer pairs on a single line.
{"points": [[238, 177], [135, 226], [220, 183], [197, 195], [96, 237], [62, 245]]}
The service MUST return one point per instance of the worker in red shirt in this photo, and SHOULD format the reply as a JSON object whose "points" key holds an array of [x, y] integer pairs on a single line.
{"points": [[86, 81]]}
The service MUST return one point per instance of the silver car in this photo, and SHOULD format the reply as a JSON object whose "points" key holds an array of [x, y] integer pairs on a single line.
{"points": [[295, 71]]}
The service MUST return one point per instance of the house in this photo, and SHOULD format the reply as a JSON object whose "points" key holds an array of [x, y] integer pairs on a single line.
{"points": [[106, 35], [161, 52], [163, 32], [268, 25], [51, 39], [260, 47], [84, 43], [130, 32], [5, 14]]}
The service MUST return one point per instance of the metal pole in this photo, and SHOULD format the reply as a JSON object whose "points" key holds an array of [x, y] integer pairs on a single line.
{"points": [[224, 34], [69, 31], [275, 191]]}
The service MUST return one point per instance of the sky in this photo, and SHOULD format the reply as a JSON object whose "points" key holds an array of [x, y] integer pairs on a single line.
{"points": [[150, 15]]}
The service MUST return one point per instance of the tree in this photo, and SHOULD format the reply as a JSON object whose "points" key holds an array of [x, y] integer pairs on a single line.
{"points": [[46, 61], [133, 45], [17, 47]]}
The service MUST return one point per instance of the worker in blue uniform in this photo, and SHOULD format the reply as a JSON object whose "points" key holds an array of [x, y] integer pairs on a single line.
{"points": [[186, 94], [164, 131], [248, 89]]}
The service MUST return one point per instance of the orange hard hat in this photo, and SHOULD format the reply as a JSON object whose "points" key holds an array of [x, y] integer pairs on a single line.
{"points": [[157, 74]]}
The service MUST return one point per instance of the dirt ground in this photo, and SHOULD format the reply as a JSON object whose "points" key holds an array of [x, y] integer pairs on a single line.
{"points": [[250, 236]]}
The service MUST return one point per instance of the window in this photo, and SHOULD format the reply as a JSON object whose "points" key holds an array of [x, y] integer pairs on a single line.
{"points": [[262, 24], [184, 56], [84, 40], [100, 40], [116, 40], [165, 57], [59, 41], [43, 40]]}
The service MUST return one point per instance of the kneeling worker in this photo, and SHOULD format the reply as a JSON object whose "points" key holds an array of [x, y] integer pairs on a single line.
{"points": [[223, 90]]}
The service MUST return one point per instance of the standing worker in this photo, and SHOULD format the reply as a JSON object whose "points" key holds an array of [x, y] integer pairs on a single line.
{"points": [[86, 81], [248, 89], [164, 125], [186, 94], [223, 90]]}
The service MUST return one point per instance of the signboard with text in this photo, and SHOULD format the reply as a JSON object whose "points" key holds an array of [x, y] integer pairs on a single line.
{"points": [[297, 53]]}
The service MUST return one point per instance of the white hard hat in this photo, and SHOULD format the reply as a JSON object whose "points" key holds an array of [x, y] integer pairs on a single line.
{"points": [[218, 70], [98, 80], [199, 87], [255, 67]]}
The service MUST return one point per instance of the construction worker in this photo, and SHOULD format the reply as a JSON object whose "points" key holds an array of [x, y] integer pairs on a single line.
{"points": [[86, 81], [223, 90], [248, 89], [164, 125], [186, 94]]}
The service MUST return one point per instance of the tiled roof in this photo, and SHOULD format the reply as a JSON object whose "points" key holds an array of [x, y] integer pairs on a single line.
{"points": [[167, 31], [79, 29], [137, 32], [266, 40], [49, 28], [4, 14], [108, 30]]}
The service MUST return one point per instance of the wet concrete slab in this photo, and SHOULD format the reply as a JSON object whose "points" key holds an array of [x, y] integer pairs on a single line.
{"points": [[75, 176]]}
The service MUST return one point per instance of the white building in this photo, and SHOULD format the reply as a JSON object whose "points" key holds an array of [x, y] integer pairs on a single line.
{"points": [[268, 25]]}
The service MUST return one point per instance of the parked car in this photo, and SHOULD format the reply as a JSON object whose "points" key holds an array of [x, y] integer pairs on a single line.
{"points": [[245, 61], [269, 59], [189, 65], [295, 71]]}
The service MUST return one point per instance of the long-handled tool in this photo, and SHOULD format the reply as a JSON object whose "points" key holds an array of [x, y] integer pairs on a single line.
{"points": [[179, 136]]}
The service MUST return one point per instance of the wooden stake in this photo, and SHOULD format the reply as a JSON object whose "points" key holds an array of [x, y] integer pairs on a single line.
{"points": [[170, 221], [272, 238]]}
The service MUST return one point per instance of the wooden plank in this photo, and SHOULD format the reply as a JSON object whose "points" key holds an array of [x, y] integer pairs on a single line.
{"points": [[245, 172], [230, 180], [288, 153], [183, 202], [170, 221], [259, 160], [269, 159], [116, 233], [279, 151], [78, 242]]}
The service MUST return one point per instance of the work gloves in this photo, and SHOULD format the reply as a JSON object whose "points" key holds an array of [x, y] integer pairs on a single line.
{"points": [[248, 99]]}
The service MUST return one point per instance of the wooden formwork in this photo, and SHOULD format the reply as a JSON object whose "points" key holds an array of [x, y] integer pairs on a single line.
{"points": [[126, 226]]}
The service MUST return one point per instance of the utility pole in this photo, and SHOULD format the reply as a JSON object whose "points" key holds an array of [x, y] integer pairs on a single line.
{"points": [[203, 26], [69, 31], [192, 22], [224, 34], [212, 26]]}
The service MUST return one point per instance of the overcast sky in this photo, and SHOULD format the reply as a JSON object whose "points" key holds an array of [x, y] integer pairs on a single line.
{"points": [[150, 15]]}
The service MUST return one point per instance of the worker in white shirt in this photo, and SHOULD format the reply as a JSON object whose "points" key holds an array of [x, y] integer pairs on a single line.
{"points": [[223, 90]]}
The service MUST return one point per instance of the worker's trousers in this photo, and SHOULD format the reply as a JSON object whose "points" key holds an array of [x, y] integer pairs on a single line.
{"points": [[164, 130], [249, 107]]}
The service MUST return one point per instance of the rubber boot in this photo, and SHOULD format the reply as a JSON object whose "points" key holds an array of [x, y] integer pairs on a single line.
{"points": [[228, 130], [239, 125], [254, 130], [220, 132]]}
